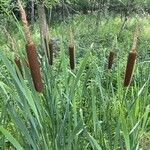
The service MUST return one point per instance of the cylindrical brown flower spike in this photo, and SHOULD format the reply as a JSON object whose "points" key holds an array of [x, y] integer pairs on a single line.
{"points": [[34, 66], [71, 50], [110, 59], [129, 68], [31, 52], [71, 55], [131, 57]]}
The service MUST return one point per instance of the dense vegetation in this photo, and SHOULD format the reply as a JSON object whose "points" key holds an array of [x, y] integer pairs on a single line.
{"points": [[86, 106]]}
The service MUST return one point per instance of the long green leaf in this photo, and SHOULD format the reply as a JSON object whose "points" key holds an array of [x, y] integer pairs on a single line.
{"points": [[12, 140]]}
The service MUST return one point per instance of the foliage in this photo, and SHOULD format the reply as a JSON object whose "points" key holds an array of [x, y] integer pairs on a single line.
{"points": [[83, 109]]}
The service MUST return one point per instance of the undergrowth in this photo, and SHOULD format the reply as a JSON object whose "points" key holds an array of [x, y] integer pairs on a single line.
{"points": [[88, 108]]}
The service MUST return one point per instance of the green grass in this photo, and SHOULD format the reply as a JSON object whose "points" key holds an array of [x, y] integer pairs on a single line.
{"points": [[87, 108]]}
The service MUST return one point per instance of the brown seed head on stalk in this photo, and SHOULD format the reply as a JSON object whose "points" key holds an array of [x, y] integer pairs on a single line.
{"points": [[131, 57], [71, 50], [31, 53], [110, 59], [25, 22], [34, 66], [129, 68], [112, 53], [71, 55]]}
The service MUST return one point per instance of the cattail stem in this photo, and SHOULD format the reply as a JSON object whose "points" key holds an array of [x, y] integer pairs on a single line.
{"points": [[34, 66], [49, 51], [129, 68], [18, 64], [110, 59], [71, 54]]}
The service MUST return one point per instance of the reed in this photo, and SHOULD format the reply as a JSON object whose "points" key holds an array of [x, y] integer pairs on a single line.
{"points": [[131, 58], [31, 52]]}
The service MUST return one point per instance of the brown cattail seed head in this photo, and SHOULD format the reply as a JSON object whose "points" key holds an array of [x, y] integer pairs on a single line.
{"points": [[71, 50], [110, 59], [71, 55], [34, 66], [129, 68]]}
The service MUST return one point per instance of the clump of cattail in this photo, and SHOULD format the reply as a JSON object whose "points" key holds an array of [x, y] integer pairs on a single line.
{"points": [[131, 58], [31, 53], [71, 51], [110, 59]]}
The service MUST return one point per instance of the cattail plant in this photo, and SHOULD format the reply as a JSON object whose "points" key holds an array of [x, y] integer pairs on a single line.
{"points": [[71, 51], [31, 52], [131, 58], [44, 32]]}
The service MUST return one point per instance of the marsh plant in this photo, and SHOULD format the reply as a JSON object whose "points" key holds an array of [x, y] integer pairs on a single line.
{"points": [[83, 97]]}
